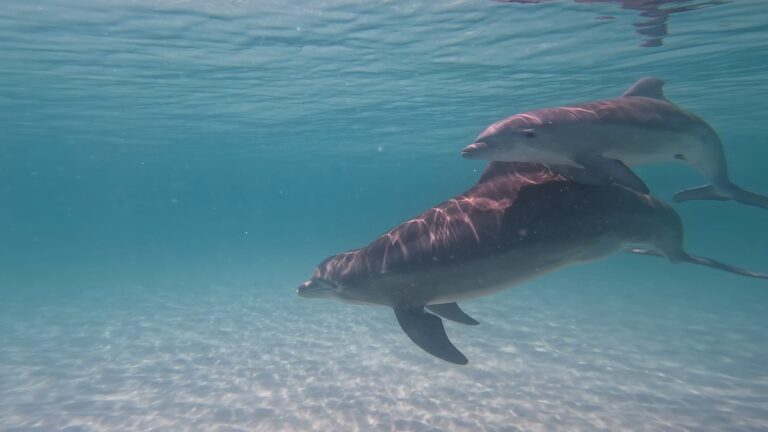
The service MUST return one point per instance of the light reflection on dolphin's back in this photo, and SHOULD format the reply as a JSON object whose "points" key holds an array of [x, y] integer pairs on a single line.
{"points": [[638, 112], [460, 228]]}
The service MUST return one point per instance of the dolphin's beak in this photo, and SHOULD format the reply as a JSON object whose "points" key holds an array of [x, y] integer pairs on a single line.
{"points": [[474, 150], [304, 289], [314, 288]]}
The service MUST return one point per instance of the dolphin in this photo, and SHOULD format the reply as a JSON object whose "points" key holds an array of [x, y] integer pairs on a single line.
{"points": [[521, 220], [639, 127]]}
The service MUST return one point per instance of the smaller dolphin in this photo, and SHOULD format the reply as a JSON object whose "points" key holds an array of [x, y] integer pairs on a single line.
{"points": [[639, 127], [518, 222]]}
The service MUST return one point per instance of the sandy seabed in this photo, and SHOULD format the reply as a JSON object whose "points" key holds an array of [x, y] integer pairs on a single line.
{"points": [[261, 359]]}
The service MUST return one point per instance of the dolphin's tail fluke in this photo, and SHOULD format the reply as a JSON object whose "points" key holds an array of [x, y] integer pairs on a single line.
{"points": [[709, 262], [682, 256], [729, 192]]}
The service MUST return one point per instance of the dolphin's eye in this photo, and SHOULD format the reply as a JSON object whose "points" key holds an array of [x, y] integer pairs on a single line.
{"points": [[529, 133]]}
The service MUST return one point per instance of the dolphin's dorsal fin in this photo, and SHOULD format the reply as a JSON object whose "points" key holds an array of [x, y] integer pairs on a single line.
{"points": [[647, 87]]}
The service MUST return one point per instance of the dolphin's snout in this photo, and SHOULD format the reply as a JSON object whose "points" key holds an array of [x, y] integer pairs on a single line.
{"points": [[302, 289], [473, 150], [315, 287]]}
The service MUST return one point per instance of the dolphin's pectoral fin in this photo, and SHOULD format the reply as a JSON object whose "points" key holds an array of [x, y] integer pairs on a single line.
{"points": [[679, 256], [580, 175], [427, 331], [452, 311], [612, 171], [647, 87]]}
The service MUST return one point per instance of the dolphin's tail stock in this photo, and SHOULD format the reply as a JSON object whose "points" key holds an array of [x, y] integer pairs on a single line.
{"points": [[723, 193], [682, 256]]}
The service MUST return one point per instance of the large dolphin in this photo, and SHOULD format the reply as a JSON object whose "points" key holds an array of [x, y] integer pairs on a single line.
{"points": [[640, 127], [519, 221]]}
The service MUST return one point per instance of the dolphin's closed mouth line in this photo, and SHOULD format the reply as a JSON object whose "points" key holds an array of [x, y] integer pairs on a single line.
{"points": [[473, 148], [306, 288]]}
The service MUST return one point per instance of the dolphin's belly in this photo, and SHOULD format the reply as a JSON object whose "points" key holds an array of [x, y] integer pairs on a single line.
{"points": [[640, 146], [475, 278]]}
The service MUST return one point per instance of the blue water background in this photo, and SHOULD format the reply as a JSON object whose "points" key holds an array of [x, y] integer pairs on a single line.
{"points": [[171, 171]]}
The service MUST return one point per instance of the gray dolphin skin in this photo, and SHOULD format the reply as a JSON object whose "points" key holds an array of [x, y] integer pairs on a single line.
{"points": [[640, 127], [521, 220]]}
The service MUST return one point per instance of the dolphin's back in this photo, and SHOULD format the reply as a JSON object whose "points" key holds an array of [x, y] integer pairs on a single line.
{"points": [[488, 219], [628, 111], [463, 227]]}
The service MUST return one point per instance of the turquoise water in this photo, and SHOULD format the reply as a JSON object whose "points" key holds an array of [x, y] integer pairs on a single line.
{"points": [[170, 171]]}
